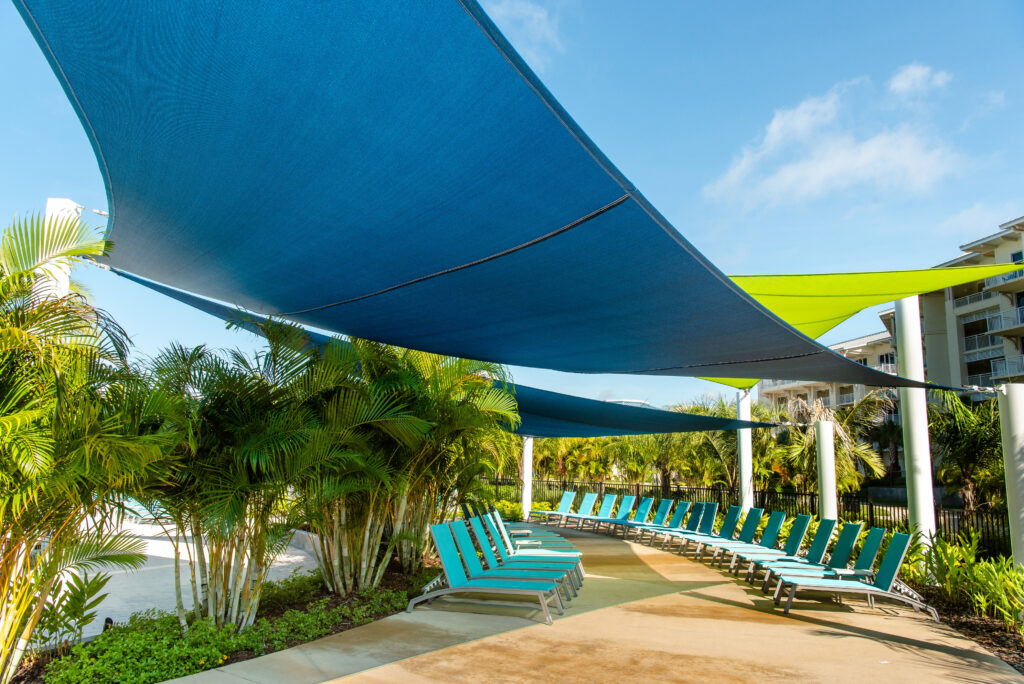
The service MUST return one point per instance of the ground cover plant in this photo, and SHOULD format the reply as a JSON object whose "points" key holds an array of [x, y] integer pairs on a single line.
{"points": [[151, 648]]}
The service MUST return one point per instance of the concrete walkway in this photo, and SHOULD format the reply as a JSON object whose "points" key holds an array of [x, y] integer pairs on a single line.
{"points": [[642, 614]]}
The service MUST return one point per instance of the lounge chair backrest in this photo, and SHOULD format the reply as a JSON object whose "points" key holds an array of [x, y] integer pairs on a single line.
{"points": [[644, 509], [892, 560], [693, 522], [466, 513], [465, 545], [607, 504], [478, 527], [483, 542], [844, 545], [707, 519], [476, 509], [750, 524], [450, 561], [587, 505], [682, 507], [869, 551], [625, 506], [732, 519], [796, 535], [565, 505], [659, 515], [821, 539], [772, 528], [497, 531]]}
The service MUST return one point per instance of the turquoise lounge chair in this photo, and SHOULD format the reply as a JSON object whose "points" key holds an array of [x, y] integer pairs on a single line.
{"points": [[706, 531], [839, 558], [507, 551], [659, 519], [863, 567], [819, 545], [682, 508], [746, 535], [797, 532], [768, 539], [880, 588], [607, 505], [545, 561], [564, 506], [621, 513], [459, 583], [642, 511], [475, 570], [553, 541], [693, 523]]}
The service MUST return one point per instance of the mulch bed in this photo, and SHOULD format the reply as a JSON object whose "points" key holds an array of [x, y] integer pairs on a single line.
{"points": [[986, 631]]}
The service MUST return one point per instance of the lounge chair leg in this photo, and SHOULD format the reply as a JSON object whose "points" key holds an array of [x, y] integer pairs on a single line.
{"points": [[778, 592], [767, 579], [789, 601], [544, 606], [559, 604]]}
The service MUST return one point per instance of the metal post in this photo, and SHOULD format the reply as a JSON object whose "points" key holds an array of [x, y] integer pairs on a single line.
{"points": [[527, 476], [1011, 425], [745, 451], [825, 446], [917, 453]]}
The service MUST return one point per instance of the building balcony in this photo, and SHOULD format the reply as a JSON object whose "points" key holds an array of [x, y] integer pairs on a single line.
{"points": [[846, 399], [982, 341], [1007, 325], [889, 368], [975, 298], [980, 380], [1008, 368], [1006, 282]]}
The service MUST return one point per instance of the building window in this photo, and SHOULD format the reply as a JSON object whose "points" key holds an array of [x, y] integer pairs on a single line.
{"points": [[1017, 257], [889, 358]]}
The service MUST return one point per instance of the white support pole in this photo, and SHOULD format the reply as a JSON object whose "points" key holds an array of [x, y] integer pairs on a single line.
{"points": [[527, 476], [825, 446], [1011, 425], [745, 451], [58, 282], [917, 452]]}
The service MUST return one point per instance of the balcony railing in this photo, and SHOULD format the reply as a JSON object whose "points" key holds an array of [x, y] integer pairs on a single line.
{"points": [[1005, 368], [845, 399], [973, 298], [976, 342], [1004, 321], [1004, 278], [885, 367], [980, 380]]}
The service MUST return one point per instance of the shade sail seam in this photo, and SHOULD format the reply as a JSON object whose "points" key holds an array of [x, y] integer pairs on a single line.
{"points": [[498, 255], [76, 104]]}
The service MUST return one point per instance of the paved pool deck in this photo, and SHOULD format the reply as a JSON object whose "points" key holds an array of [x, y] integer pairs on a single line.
{"points": [[642, 614]]}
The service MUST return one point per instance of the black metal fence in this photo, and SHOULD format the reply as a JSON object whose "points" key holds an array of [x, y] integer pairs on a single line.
{"points": [[992, 527]]}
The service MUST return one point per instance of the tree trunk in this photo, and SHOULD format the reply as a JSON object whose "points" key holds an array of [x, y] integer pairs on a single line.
{"points": [[665, 476]]}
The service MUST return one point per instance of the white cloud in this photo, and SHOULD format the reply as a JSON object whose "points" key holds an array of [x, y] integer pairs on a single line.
{"points": [[531, 28], [917, 78], [978, 219], [806, 153]]}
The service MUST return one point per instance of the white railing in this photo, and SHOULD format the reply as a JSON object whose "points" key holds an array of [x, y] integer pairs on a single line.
{"points": [[1004, 368], [885, 367], [981, 379], [973, 298], [846, 399], [825, 401], [1002, 322], [1003, 278], [975, 342]]}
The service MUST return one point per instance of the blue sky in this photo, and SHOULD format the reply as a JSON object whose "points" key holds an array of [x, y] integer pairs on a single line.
{"points": [[804, 137]]}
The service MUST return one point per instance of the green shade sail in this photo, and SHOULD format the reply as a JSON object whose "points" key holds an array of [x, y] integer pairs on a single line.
{"points": [[817, 302]]}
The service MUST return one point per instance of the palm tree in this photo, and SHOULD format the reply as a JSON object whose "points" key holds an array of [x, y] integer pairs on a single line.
{"points": [[72, 442], [969, 443]]}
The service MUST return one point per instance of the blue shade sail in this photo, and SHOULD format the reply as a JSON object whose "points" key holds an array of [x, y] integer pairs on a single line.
{"points": [[393, 171], [543, 413]]}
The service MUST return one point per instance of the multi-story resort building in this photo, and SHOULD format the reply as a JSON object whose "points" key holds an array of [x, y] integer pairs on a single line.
{"points": [[875, 350], [973, 332]]}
